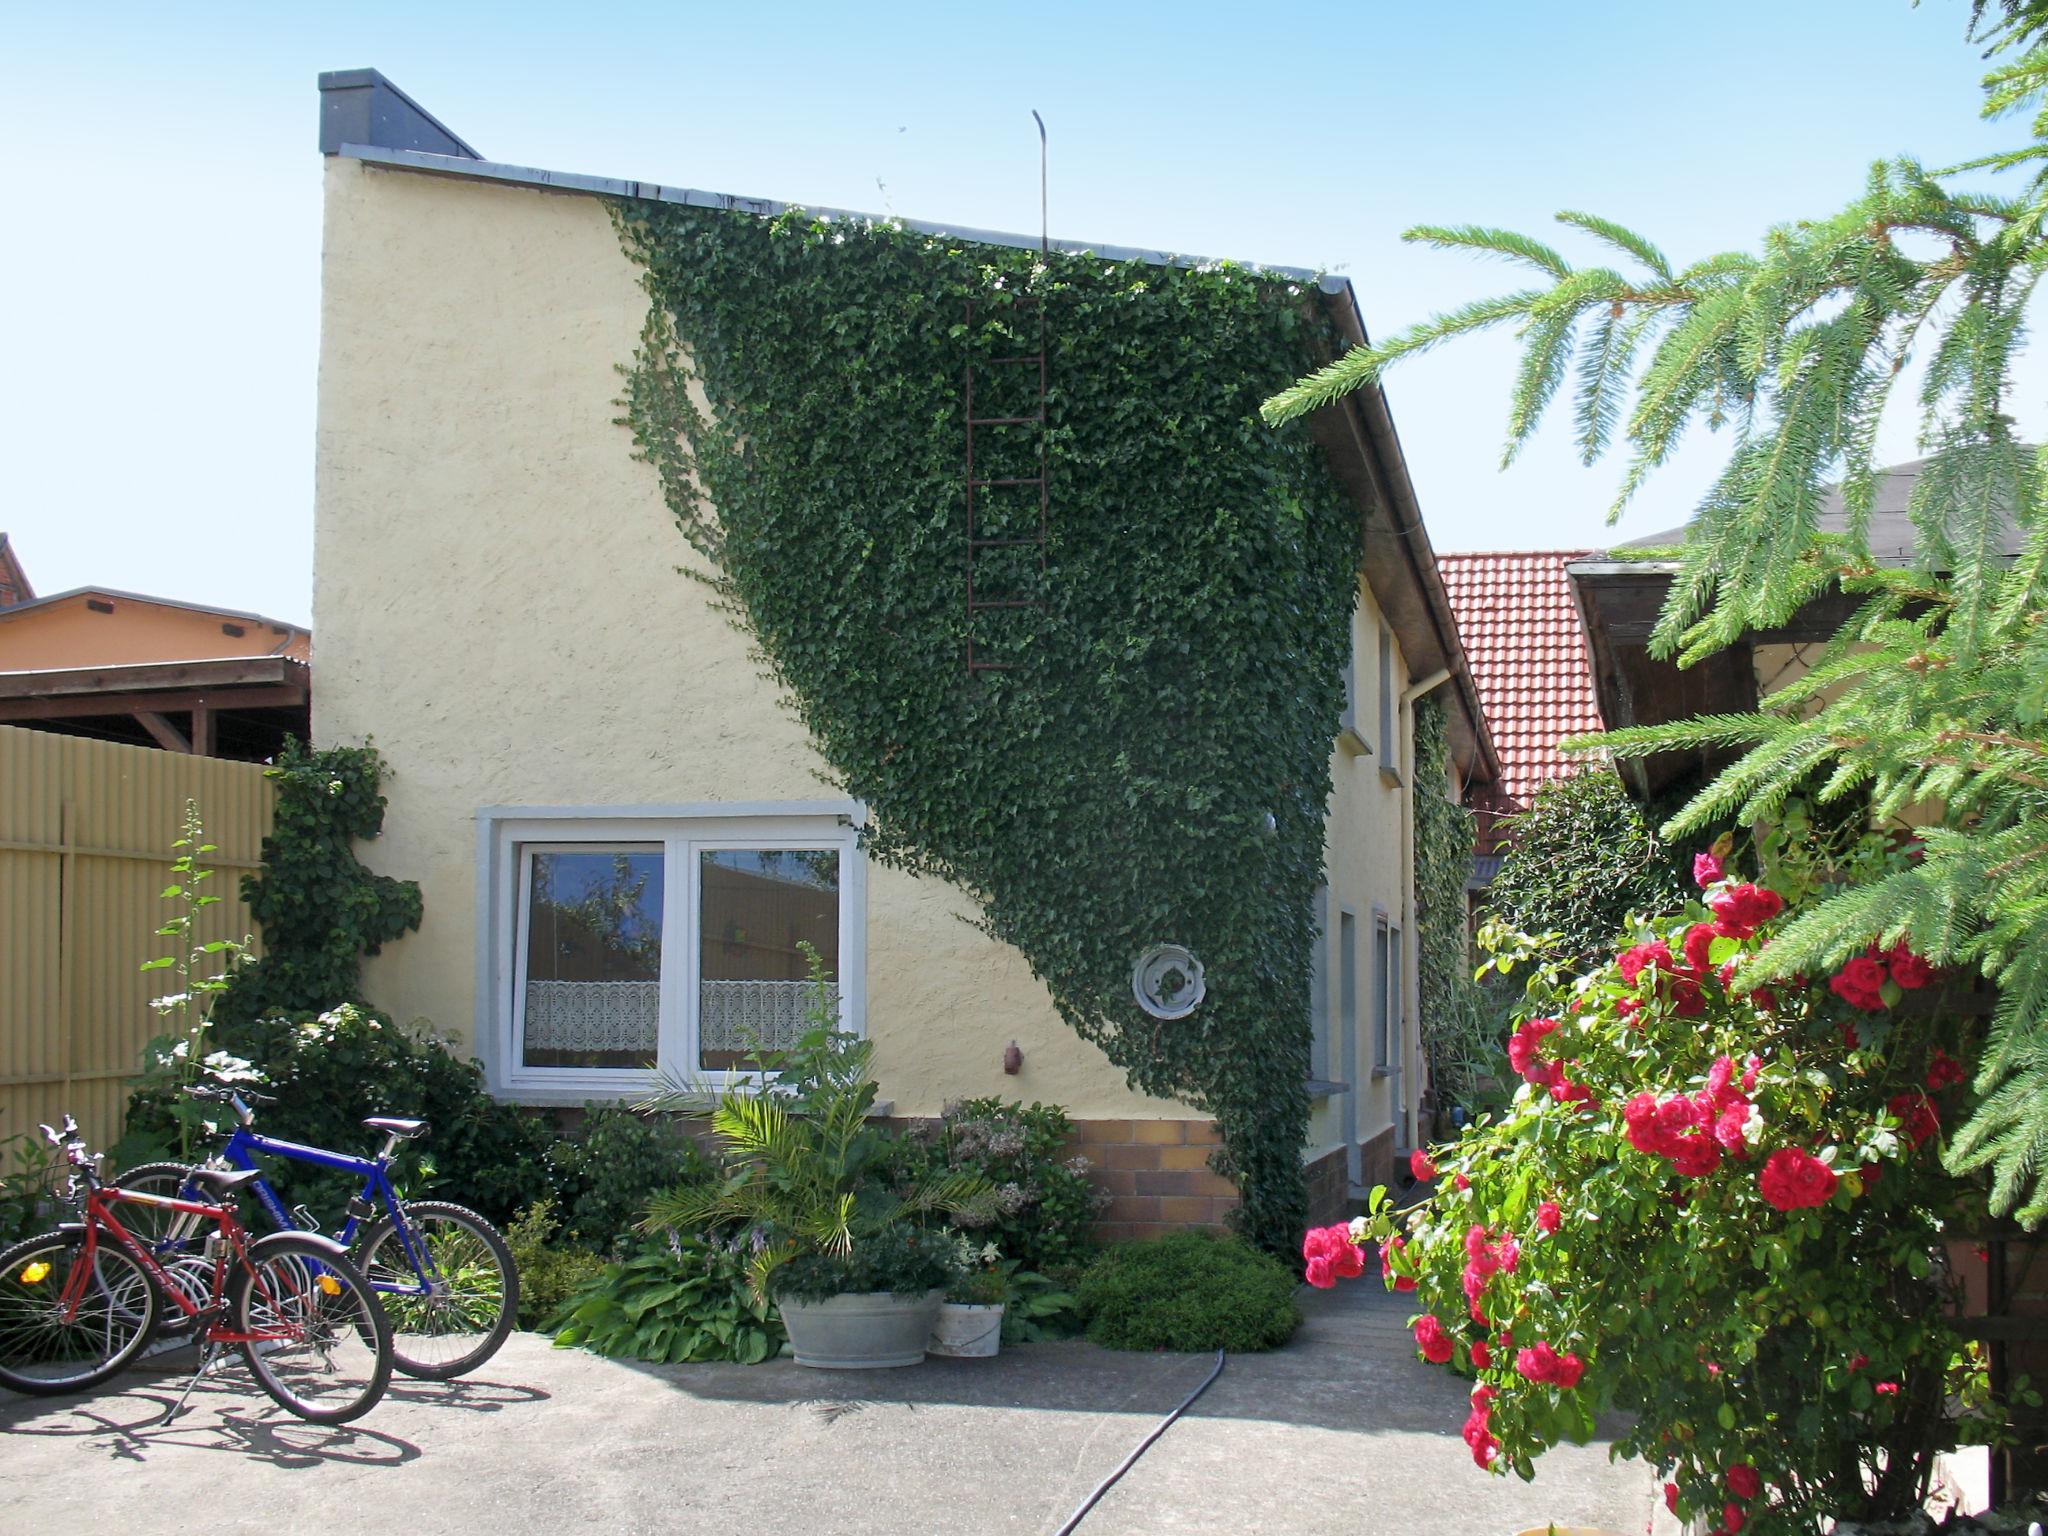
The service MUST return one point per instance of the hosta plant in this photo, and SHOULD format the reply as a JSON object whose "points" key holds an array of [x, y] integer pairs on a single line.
{"points": [[1718, 1208]]}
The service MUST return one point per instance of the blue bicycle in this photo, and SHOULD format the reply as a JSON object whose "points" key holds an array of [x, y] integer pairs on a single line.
{"points": [[443, 1273]]}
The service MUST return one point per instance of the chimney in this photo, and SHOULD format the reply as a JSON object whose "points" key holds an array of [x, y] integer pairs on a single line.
{"points": [[359, 106]]}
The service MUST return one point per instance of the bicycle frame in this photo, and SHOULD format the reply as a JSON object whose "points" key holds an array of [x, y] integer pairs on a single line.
{"points": [[98, 1219], [245, 1145]]}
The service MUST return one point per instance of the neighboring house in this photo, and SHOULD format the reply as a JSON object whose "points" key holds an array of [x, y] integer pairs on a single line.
{"points": [[1619, 597], [1528, 654], [14, 587], [118, 666], [601, 747]]}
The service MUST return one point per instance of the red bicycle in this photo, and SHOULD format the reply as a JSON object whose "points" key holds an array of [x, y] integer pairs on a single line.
{"points": [[79, 1303]]}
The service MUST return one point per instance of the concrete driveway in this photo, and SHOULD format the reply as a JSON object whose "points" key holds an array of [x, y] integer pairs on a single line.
{"points": [[1344, 1431]]}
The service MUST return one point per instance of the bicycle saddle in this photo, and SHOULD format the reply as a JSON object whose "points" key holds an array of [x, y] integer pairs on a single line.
{"points": [[404, 1130], [220, 1181]]}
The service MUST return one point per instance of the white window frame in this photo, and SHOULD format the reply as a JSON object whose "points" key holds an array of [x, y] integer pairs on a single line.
{"points": [[509, 836]]}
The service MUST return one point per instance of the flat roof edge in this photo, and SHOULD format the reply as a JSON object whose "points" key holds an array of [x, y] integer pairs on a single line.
{"points": [[767, 207]]}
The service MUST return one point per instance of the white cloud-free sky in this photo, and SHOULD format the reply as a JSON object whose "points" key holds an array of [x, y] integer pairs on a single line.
{"points": [[161, 262]]}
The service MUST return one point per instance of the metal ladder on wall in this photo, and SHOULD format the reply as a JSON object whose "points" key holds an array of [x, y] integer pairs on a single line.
{"points": [[977, 539]]}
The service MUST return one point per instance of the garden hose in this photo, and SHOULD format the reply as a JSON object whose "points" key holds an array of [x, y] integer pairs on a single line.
{"points": [[1109, 1482]]}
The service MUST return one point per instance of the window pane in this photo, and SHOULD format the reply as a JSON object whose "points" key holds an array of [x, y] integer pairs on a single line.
{"points": [[758, 906], [1383, 1029], [593, 959]]}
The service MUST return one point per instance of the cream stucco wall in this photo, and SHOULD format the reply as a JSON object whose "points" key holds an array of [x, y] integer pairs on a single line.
{"points": [[1369, 861], [498, 605]]}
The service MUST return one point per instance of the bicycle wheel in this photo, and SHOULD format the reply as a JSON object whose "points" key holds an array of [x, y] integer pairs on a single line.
{"points": [[41, 1351], [449, 1313], [325, 1353], [177, 1239]]}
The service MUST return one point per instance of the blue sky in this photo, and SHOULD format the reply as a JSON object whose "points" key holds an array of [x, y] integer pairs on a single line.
{"points": [[162, 266]]}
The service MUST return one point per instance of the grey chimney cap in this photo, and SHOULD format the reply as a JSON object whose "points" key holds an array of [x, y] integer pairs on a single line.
{"points": [[359, 106]]}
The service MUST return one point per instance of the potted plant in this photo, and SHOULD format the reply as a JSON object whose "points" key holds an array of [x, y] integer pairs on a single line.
{"points": [[969, 1324], [846, 1256]]}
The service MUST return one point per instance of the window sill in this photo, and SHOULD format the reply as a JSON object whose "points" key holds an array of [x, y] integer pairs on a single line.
{"points": [[1324, 1088], [1381, 1074], [1391, 777], [1349, 739]]}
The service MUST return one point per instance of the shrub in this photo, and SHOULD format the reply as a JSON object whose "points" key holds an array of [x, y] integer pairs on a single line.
{"points": [[1582, 862], [1189, 1291], [686, 1298], [1718, 1208], [607, 1172], [549, 1274], [1044, 1203], [29, 1190], [331, 1070]]}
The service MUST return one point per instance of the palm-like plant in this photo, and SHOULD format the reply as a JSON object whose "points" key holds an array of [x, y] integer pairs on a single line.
{"points": [[804, 1159]]}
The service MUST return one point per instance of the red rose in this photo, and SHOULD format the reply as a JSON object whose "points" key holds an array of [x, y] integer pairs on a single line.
{"points": [[1645, 1134], [1548, 1217], [1731, 1518], [1420, 1165], [1482, 1357], [1943, 1070], [1480, 1251], [1917, 1119], [1858, 983], [1541, 1363], [1696, 1156], [1908, 969], [1741, 909], [1522, 1048], [1706, 869], [1319, 1274], [1460, 1183], [1698, 938], [1750, 1066], [1347, 1263], [1633, 962], [1728, 1127], [1392, 1281], [1793, 1178], [1484, 1451], [1858, 1362], [1671, 1497], [1743, 1481], [1432, 1340], [1887, 1388]]}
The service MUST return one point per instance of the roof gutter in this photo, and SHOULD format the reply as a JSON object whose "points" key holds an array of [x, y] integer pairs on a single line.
{"points": [[1369, 409]]}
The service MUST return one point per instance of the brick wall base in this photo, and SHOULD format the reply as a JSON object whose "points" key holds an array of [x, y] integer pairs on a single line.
{"points": [[1156, 1174], [1329, 1190]]}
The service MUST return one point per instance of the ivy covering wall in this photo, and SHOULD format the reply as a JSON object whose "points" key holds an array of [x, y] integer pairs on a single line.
{"points": [[1455, 1020], [1155, 765]]}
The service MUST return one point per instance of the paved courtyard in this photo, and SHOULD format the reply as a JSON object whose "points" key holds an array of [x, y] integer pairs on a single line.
{"points": [[1344, 1431]]}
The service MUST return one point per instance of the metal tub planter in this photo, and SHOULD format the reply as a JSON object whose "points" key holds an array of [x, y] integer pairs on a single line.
{"points": [[861, 1330]]}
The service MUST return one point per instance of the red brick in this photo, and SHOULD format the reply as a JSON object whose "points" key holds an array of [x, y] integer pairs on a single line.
{"points": [[1161, 1132], [1186, 1208], [1130, 1157], [1116, 1181], [1132, 1208], [1191, 1158]]}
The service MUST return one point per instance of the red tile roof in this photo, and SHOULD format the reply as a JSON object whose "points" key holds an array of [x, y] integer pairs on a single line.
{"points": [[1528, 655]]}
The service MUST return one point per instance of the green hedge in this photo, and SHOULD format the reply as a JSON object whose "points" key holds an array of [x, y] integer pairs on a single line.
{"points": [[1189, 1291]]}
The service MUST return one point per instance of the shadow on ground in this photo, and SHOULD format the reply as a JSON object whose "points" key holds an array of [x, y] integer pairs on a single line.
{"points": [[1344, 1431]]}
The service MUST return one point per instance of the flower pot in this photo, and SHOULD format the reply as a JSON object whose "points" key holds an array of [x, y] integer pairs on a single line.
{"points": [[965, 1330], [860, 1330]]}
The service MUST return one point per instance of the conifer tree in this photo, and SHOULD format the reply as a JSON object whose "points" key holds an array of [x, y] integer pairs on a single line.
{"points": [[1934, 694]]}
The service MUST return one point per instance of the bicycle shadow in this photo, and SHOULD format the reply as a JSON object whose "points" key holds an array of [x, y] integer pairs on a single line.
{"points": [[466, 1394], [217, 1418]]}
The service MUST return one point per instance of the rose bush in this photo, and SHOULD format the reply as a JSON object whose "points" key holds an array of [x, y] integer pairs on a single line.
{"points": [[1715, 1206]]}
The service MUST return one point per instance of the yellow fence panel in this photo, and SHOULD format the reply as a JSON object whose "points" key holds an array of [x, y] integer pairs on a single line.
{"points": [[86, 829]]}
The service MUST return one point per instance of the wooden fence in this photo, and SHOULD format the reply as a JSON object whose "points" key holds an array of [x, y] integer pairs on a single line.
{"points": [[86, 829]]}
